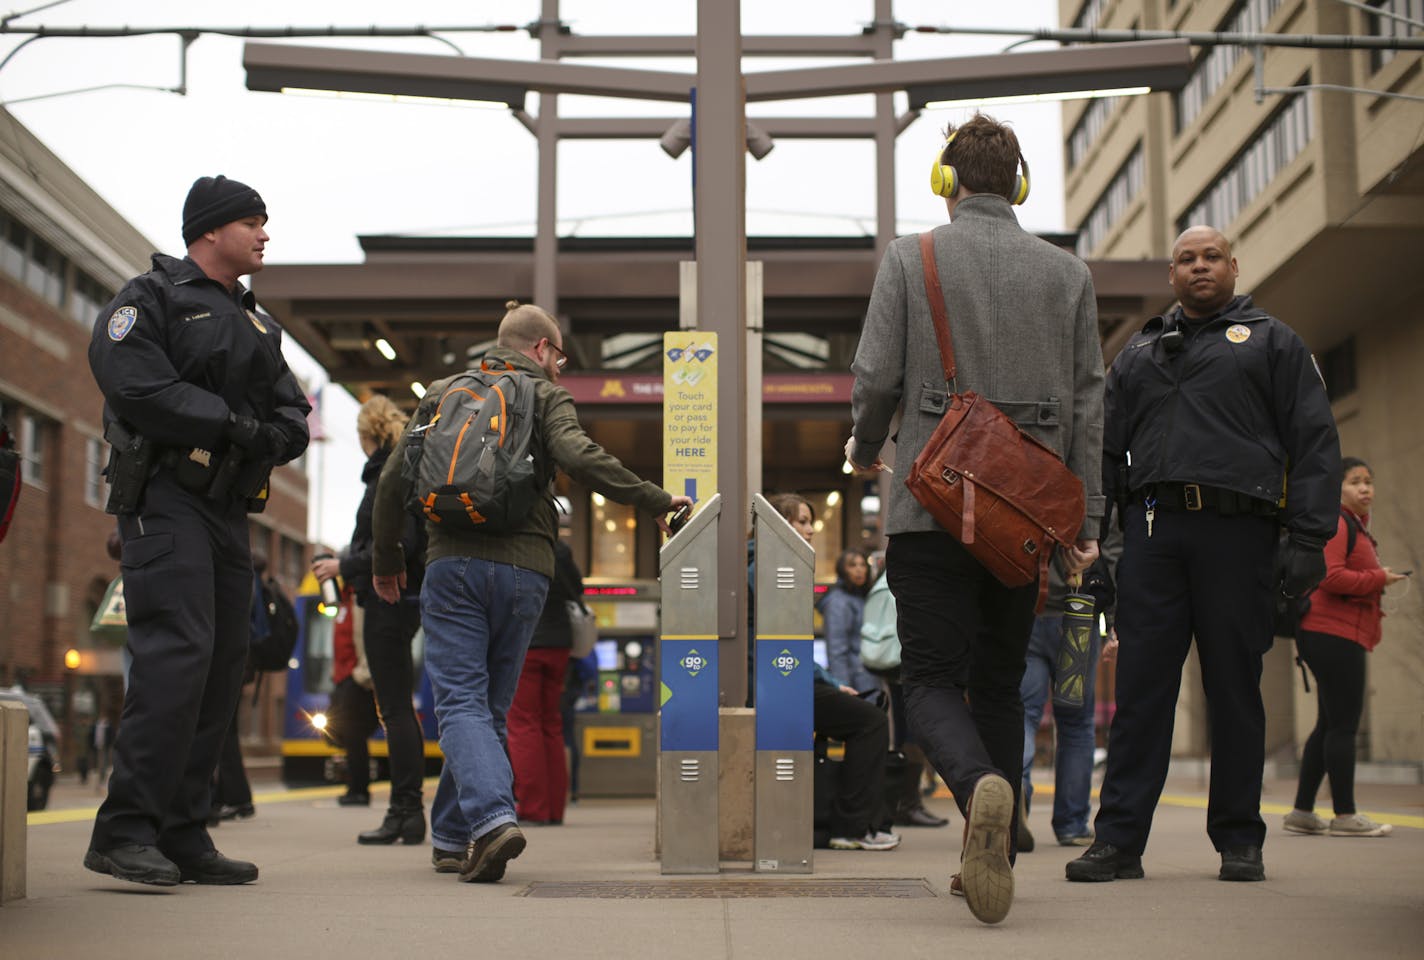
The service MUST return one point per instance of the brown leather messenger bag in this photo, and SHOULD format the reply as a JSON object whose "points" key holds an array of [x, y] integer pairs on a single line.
{"points": [[1004, 495]]}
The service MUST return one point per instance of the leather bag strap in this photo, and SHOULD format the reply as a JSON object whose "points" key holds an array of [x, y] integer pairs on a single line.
{"points": [[937, 311]]}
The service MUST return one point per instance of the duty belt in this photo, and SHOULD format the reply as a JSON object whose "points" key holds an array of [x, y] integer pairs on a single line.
{"points": [[1194, 497]]}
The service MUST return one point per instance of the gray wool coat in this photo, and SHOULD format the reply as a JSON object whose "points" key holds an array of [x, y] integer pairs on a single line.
{"points": [[1024, 320]]}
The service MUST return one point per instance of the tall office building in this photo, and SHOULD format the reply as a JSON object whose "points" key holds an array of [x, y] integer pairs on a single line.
{"points": [[1321, 191]]}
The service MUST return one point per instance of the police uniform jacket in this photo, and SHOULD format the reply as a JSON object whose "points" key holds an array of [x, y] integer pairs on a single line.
{"points": [[1024, 320], [175, 352], [1241, 407], [560, 442]]}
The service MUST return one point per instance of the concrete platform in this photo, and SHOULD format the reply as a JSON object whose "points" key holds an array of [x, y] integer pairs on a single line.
{"points": [[323, 896]]}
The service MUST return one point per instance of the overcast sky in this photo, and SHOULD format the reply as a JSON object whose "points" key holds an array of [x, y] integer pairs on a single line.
{"points": [[330, 171]]}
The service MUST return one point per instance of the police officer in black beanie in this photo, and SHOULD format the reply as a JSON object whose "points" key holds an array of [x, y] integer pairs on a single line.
{"points": [[199, 407]]}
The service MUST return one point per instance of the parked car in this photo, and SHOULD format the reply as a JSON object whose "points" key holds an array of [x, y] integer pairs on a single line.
{"points": [[43, 747]]}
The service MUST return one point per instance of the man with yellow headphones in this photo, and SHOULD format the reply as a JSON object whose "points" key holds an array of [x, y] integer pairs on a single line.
{"points": [[1023, 319]]}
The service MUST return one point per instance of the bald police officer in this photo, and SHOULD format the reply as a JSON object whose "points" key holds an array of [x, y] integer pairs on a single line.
{"points": [[199, 406], [1217, 432]]}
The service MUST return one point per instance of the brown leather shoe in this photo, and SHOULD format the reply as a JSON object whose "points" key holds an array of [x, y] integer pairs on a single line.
{"points": [[486, 856]]}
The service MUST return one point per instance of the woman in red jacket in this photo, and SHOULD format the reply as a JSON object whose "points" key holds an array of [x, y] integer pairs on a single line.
{"points": [[1341, 626]]}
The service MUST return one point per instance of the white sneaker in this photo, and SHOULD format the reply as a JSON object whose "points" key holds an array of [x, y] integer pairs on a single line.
{"points": [[1305, 821], [1358, 825], [874, 840], [883, 840]]}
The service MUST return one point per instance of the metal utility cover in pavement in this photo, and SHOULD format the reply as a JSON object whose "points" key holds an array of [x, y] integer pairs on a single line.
{"points": [[727, 889]]}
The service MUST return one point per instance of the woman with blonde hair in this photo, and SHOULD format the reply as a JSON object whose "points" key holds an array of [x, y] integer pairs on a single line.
{"points": [[389, 629]]}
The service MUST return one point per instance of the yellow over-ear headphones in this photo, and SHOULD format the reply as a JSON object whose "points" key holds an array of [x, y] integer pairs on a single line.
{"points": [[944, 180]]}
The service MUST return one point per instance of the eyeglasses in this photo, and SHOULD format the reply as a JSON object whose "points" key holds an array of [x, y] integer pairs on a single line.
{"points": [[563, 357]]}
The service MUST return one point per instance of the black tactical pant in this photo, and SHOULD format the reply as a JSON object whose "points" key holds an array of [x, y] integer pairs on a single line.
{"points": [[187, 571], [1206, 576]]}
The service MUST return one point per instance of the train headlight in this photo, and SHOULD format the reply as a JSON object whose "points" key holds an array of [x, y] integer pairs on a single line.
{"points": [[318, 721]]}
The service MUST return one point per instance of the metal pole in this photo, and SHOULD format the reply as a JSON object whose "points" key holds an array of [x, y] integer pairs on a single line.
{"points": [[886, 130], [719, 146], [546, 236]]}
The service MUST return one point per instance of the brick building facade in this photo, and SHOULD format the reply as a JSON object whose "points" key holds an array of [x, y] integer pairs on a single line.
{"points": [[63, 254]]}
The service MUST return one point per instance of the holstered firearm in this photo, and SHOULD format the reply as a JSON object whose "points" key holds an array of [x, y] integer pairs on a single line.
{"points": [[130, 464], [240, 478], [225, 475]]}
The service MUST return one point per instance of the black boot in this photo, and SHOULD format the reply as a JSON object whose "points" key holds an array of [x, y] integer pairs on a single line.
{"points": [[406, 824]]}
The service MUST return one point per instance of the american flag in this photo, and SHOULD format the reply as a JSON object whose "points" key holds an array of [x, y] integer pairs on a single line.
{"points": [[318, 432]]}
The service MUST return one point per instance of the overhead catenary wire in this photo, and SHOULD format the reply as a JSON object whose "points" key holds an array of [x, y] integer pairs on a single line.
{"points": [[1322, 41]]}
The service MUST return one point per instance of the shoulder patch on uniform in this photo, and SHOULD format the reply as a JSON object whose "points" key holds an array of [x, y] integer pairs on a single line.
{"points": [[121, 322], [1238, 333]]}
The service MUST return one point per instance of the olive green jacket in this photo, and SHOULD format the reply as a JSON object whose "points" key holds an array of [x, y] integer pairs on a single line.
{"points": [[561, 442]]}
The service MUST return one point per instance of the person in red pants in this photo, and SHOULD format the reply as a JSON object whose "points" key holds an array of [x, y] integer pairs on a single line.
{"points": [[536, 731]]}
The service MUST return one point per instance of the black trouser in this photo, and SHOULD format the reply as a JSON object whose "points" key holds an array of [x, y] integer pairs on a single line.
{"points": [[353, 720], [231, 787], [963, 636], [188, 588], [865, 731], [388, 632], [1206, 575], [910, 797], [1339, 668]]}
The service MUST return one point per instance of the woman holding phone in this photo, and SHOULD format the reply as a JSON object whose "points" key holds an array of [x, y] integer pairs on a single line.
{"points": [[1341, 626]]}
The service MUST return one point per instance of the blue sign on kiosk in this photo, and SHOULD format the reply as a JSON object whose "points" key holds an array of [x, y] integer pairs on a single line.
{"points": [[784, 674], [689, 695]]}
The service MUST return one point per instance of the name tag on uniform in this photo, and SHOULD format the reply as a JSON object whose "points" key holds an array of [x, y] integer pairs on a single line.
{"points": [[197, 316]]}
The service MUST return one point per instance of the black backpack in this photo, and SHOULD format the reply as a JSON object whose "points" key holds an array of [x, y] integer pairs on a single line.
{"points": [[1291, 610], [273, 651], [472, 465]]}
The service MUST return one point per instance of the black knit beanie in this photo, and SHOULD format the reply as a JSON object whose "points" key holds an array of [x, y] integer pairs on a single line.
{"points": [[215, 201]]}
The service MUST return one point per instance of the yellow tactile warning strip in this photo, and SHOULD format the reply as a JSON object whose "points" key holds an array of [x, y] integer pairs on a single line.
{"points": [[78, 814], [1199, 803]]}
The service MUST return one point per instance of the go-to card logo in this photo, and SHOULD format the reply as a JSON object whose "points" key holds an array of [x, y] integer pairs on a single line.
{"points": [[784, 662], [693, 662]]}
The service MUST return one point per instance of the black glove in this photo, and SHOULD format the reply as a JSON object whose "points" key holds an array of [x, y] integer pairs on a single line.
{"points": [[1303, 566], [261, 441], [243, 431], [1097, 582], [275, 441]]}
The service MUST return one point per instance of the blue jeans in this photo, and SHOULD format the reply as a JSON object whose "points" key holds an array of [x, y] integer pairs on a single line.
{"points": [[1073, 752], [478, 618]]}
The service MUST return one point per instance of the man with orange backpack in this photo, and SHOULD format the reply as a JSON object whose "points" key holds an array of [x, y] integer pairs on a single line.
{"points": [[488, 564]]}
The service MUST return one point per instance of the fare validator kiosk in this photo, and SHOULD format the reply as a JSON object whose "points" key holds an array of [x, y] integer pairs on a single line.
{"points": [[784, 671], [688, 692]]}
